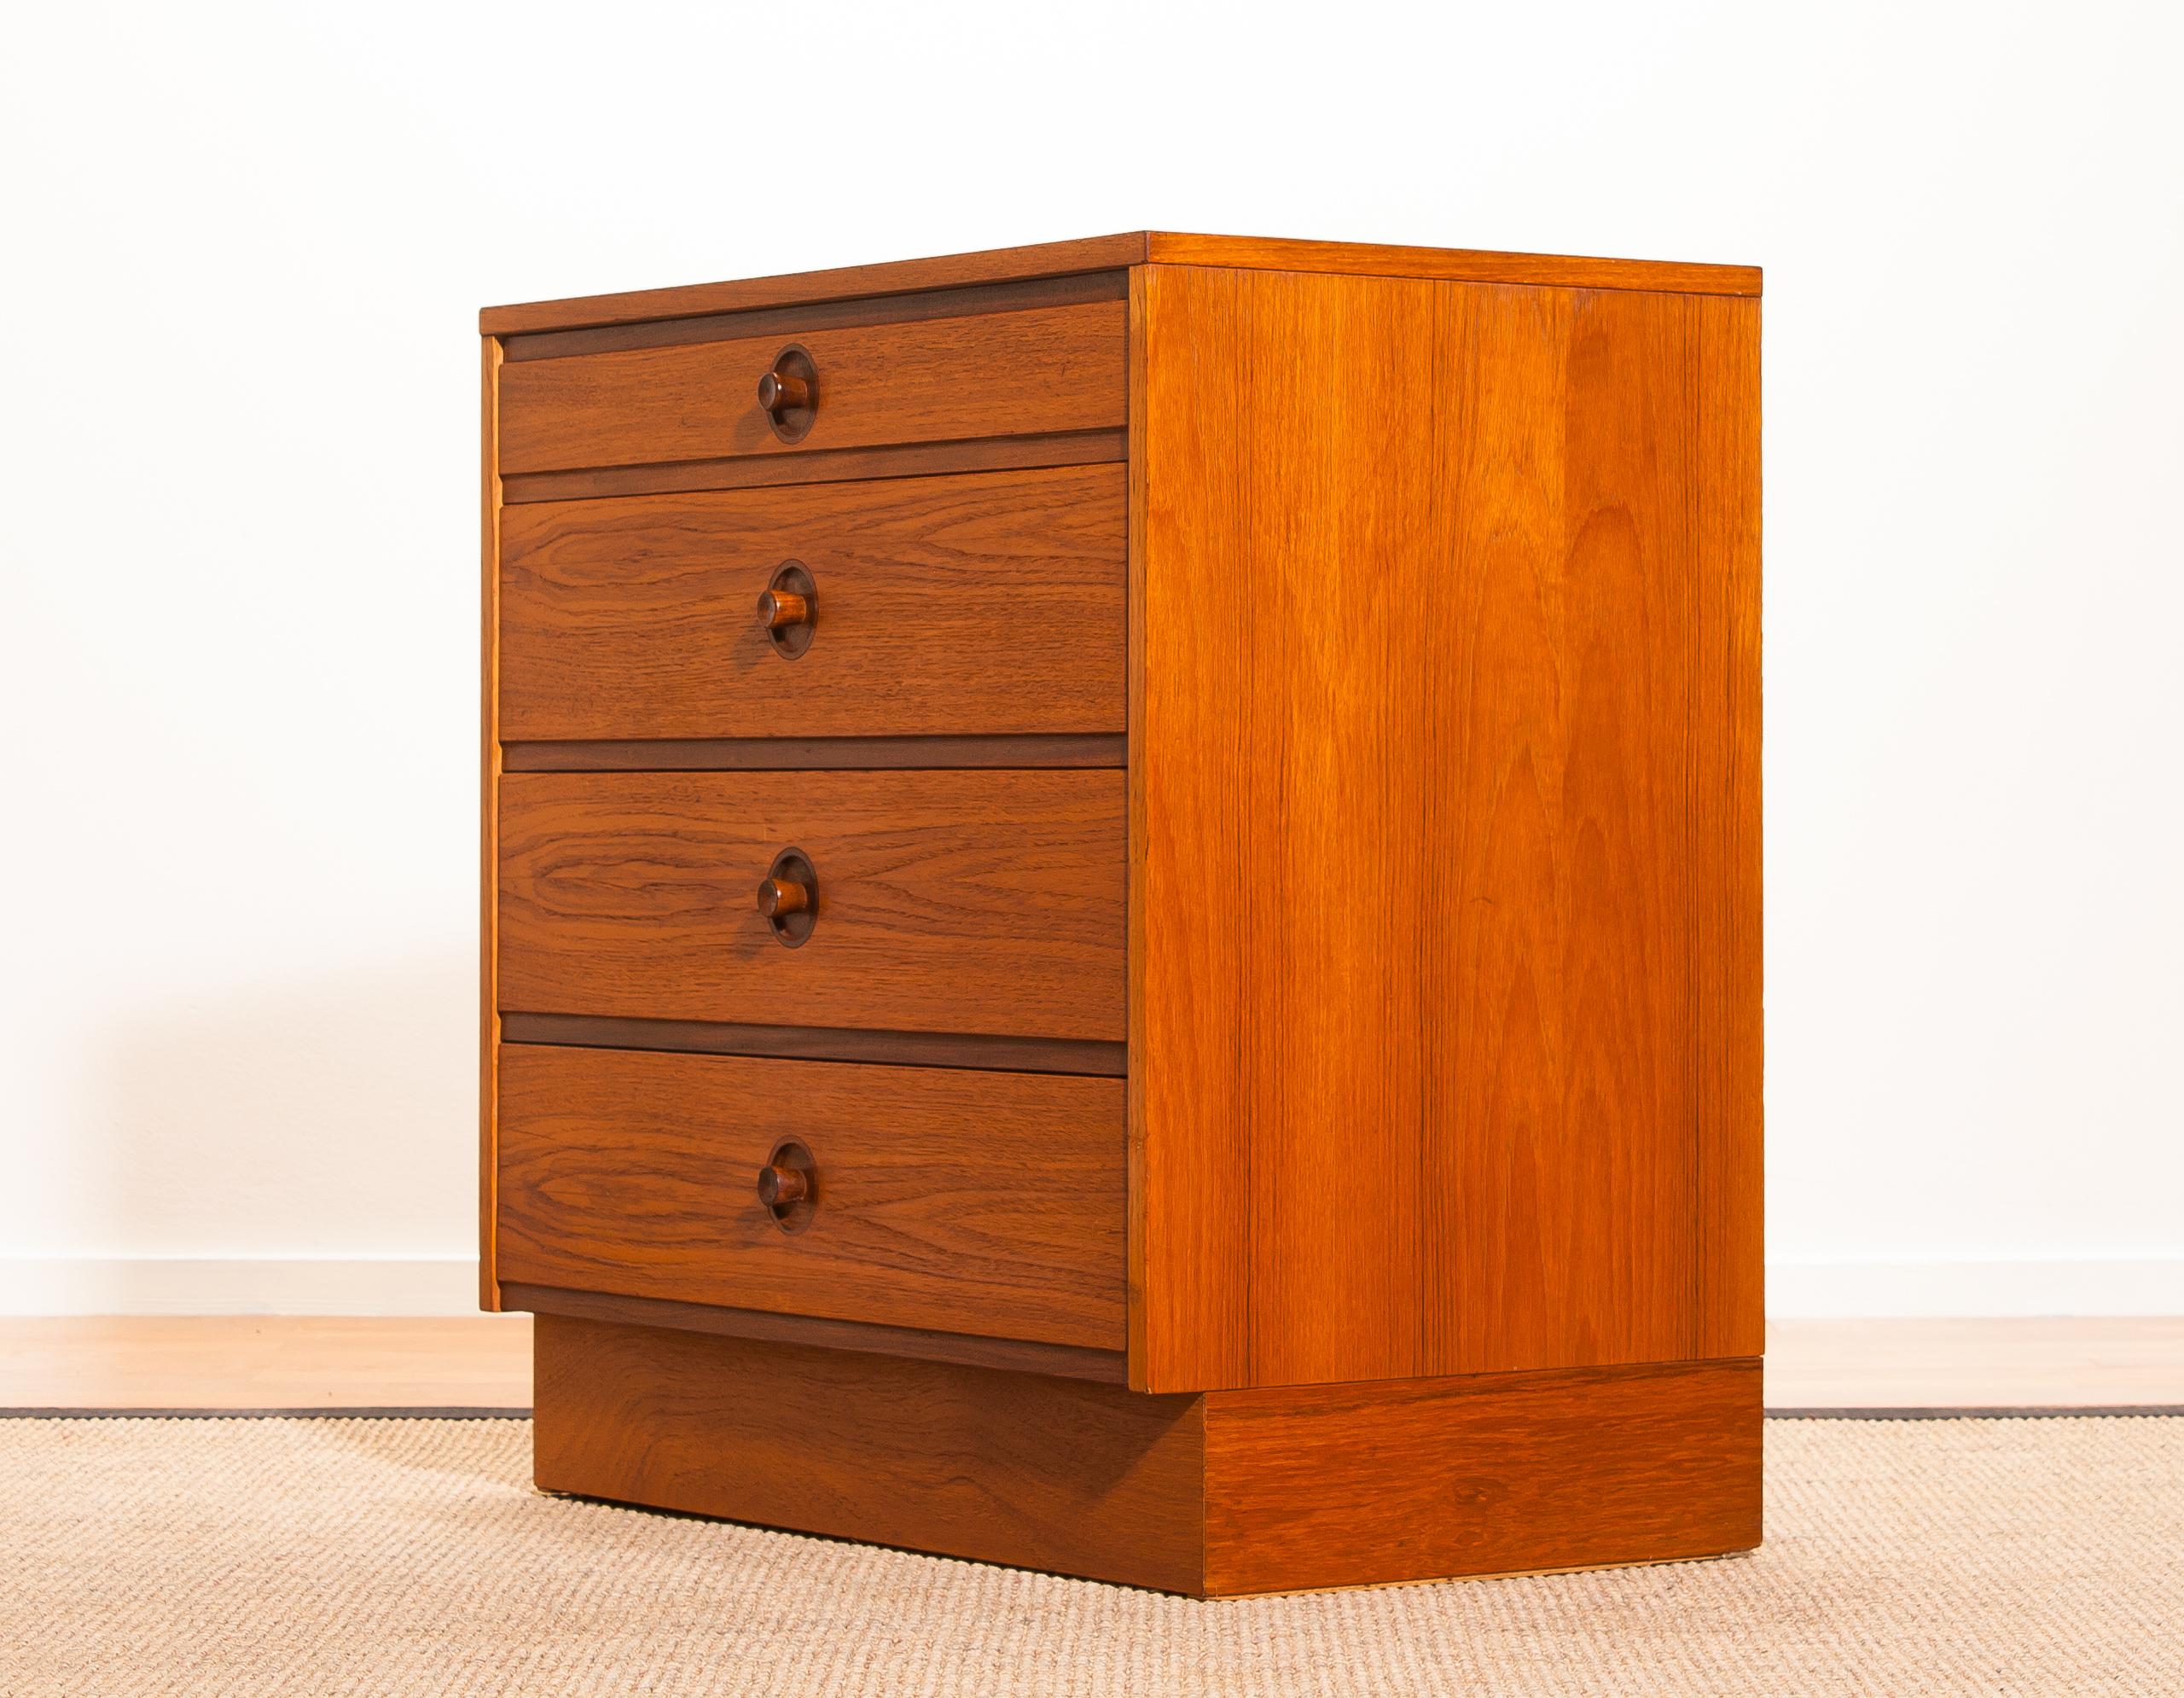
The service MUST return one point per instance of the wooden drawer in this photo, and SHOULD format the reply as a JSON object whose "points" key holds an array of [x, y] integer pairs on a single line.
{"points": [[980, 902], [982, 605], [956, 1202], [1036, 370]]}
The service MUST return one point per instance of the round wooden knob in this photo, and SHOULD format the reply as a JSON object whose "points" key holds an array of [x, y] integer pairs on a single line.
{"points": [[788, 1185], [788, 394], [788, 897], [788, 609], [780, 1187], [781, 392], [778, 610], [778, 898]]}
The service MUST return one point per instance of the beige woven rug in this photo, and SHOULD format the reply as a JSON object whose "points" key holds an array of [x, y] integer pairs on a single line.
{"points": [[411, 1558]]}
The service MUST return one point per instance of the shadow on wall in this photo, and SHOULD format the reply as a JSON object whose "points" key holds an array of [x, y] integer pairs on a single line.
{"points": [[332, 1117]]}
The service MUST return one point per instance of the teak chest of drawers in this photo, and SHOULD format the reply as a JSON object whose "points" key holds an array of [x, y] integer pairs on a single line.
{"points": [[1121, 920]]}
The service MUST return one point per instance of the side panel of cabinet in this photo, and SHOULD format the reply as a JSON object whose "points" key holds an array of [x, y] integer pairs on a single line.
{"points": [[1727, 956], [488, 1016], [1444, 968]]}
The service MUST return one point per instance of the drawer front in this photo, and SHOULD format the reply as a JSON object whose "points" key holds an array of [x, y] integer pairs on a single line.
{"points": [[976, 902], [952, 1200], [984, 605], [1003, 374]]}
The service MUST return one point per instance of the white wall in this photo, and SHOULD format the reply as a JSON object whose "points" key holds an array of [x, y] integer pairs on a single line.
{"points": [[238, 429]]}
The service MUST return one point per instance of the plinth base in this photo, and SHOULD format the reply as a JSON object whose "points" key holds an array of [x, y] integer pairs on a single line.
{"points": [[1214, 1494]]}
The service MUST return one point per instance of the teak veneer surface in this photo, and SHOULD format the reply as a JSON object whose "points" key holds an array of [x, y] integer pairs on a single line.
{"points": [[985, 605], [1112, 252], [967, 1202], [1726, 942], [1217, 1494], [814, 314], [843, 282], [1380, 1482], [1042, 370], [1447, 685], [983, 902], [1044, 1472], [488, 812]]}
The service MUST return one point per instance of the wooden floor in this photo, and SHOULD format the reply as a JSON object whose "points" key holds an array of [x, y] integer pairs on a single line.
{"points": [[266, 1362], [1980, 1363], [484, 1362]]}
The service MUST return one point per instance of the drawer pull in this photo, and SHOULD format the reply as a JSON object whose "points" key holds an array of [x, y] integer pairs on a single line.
{"points": [[789, 394], [778, 1187], [788, 609], [778, 607], [788, 897], [788, 1185], [777, 898], [781, 391]]}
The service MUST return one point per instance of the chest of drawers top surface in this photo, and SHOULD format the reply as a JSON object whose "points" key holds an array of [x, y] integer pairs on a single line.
{"points": [[1116, 252], [1252, 746]]}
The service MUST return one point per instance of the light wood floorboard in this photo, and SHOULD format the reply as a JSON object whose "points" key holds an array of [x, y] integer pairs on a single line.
{"points": [[2059, 1362], [484, 1361], [266, 1362]]}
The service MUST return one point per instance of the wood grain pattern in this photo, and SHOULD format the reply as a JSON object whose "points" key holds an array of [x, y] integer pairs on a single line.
{"points": [[1560, 1144], [899, 277], [822, 466], [966, 1202], [488, 1297], [1142, 1321], [1448, 264], [1726, 941], [1364, 1485], [971, 1350], [791, 321], [1498, 731], [984, 902], [1112, 252], [1051, 1473], [988, 605], [1042, 370], [1218, 1495]]}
